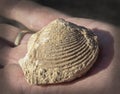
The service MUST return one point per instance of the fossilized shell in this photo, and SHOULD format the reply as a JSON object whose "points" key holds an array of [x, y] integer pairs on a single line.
{"points": [[60, 52]]}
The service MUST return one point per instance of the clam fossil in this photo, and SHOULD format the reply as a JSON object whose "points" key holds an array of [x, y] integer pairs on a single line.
{"points": [[60, 52]]}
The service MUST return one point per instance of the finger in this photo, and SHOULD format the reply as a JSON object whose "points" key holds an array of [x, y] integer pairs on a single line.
{"points": [[92, 24], [30, 14], [9, 33], [81, 21]]}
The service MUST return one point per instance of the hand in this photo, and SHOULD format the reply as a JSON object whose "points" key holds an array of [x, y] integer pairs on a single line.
{"points": [[102, 78]]}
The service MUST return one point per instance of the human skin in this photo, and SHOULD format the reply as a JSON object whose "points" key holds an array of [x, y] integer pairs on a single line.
{"points": [[103, 78]]}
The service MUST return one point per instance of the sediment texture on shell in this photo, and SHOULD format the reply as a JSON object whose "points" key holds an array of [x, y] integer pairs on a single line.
{"points": [[60, 52]]}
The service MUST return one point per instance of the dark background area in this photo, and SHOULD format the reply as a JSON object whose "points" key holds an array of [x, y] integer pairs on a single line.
{"points": [[104, 10]]}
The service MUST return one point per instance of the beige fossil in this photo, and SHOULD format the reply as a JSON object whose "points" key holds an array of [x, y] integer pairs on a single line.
{"points": [[60, 52]]}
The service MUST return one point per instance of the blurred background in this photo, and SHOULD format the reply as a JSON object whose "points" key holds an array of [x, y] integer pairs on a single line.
{"points": [[104, 10]]}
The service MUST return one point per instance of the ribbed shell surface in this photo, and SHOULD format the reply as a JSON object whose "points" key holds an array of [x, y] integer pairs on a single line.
{"points": [[60, 52]]}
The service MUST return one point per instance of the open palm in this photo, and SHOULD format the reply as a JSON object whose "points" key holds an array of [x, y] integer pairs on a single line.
{"points": [[98, 80]]}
